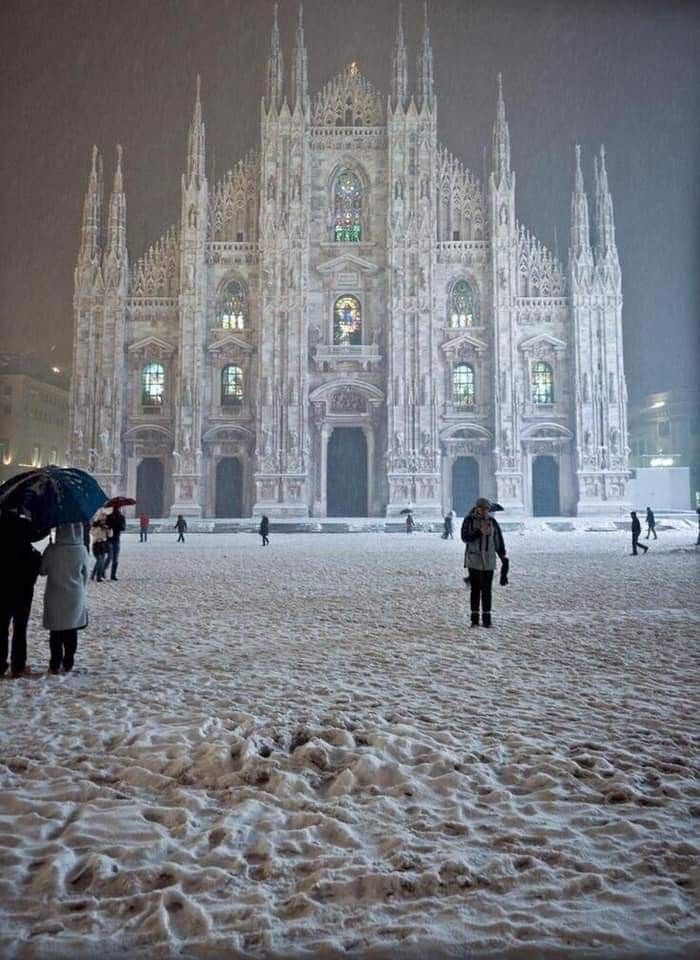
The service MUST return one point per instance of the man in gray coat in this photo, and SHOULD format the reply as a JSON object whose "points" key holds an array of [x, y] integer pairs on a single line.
{"points": [[484, 542]]}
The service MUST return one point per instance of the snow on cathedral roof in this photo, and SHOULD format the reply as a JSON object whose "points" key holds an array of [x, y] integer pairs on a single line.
{"points": [[348, 100]]}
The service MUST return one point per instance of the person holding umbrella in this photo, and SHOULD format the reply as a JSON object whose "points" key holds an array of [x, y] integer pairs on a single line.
{"points": [[65, 566], [484, 543], [116, 524], [19, 568]]}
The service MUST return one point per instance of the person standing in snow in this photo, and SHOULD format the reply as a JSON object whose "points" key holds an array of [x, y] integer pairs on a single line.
{"points": [[19, 568], [264, 530], [651, 523], [116, 523], [143, 528], [65, 566], [181, 527], [484, 543], [410, 523], [447, 531], [636, 533], [100, 547]]}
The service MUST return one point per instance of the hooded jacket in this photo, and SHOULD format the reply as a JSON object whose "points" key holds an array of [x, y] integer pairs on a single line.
{"points": [[481, 552], [65, 566]]}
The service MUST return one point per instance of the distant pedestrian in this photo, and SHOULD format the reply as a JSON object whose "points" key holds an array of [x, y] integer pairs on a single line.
{"points": [[484, 543], [264, 530], [697, 542], [143, 528], [636, 532], [65, 566], [19, 568], [116, 524], [410, 523], [100, 548], [181, 527], [651, 523], [448, 530]]}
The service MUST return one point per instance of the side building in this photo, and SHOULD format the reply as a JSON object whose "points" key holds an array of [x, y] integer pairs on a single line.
{"points": [[33, 416], [350, 323]]}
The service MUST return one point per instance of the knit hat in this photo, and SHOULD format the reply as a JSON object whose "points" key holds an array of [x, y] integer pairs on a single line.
{"points": [[483, 502]]}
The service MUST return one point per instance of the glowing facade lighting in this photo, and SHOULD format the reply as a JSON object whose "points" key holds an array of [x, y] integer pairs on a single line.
{"points": [[661, 462]]}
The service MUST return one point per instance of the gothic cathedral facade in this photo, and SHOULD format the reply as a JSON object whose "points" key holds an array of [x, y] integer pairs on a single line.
{"points": [[350, 323]]}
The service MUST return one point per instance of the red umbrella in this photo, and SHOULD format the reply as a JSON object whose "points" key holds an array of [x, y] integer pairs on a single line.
{"points": [[120, 502]]}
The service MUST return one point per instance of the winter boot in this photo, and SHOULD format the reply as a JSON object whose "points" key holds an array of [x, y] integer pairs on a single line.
{"points": [[486, 619], [475, 619]]}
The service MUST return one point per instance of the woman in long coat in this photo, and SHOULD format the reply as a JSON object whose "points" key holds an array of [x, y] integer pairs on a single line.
{"points": [[65, 566]]}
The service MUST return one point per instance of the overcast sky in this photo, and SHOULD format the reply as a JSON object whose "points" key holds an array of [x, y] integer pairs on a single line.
{"points": [[622, 72]]}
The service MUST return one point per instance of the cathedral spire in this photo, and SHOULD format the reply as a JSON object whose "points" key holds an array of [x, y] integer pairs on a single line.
{"points": [[196, 171], [300, 82], [116, 226], [91, 239], [580, 254], [605, 246], [399, 79], [275, 69], [500, 149], [425, 66]]}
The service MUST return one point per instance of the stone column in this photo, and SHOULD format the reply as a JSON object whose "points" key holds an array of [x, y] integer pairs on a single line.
{"points": [[326, 432], [369, 439]]}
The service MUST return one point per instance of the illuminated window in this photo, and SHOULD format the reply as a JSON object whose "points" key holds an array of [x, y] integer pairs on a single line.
{"points": [[231, 386], [347, 321], [463, 307], [153, 384], [347, 203], [233, 313], [463, 391], [542, 383], [54, 456], [36, 456]]}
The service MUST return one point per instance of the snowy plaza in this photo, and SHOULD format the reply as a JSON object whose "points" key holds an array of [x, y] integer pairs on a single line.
{"points": [[304, 751]]}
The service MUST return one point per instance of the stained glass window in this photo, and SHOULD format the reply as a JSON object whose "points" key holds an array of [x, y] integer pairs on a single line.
{"points": [[231, 386], [542, 383], [348, 208], [463, 392], [153, 385], [233, 308], [347, 321], [463, 306]]}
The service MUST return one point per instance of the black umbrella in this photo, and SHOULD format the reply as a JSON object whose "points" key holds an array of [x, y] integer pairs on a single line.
{"points": [[52, 496], [406, 510], [495, 507]]}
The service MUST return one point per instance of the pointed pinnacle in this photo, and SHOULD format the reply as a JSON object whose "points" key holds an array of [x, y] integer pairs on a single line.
{"points": [[119, 158], [93, 170], [500, 87], [301, 16], [199, 89]]}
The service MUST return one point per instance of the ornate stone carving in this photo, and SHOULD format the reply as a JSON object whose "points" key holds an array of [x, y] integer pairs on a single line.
{"points": [[348, 101], [347, 400]]}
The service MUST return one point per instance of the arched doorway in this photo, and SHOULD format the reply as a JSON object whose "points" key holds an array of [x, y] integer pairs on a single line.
{"points": [[149, 487], [465, 485], [347, 473], [545, 487], [229, 488]]}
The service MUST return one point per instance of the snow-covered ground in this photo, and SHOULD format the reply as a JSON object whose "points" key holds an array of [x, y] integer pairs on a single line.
{"points": [[302, 751]]}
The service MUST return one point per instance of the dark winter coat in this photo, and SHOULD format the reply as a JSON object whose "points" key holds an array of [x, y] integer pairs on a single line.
{"points": [[651, 519], [636, 526], [481, 551], [181, 525], [19, 561], [116, 522], [264, 527]]}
